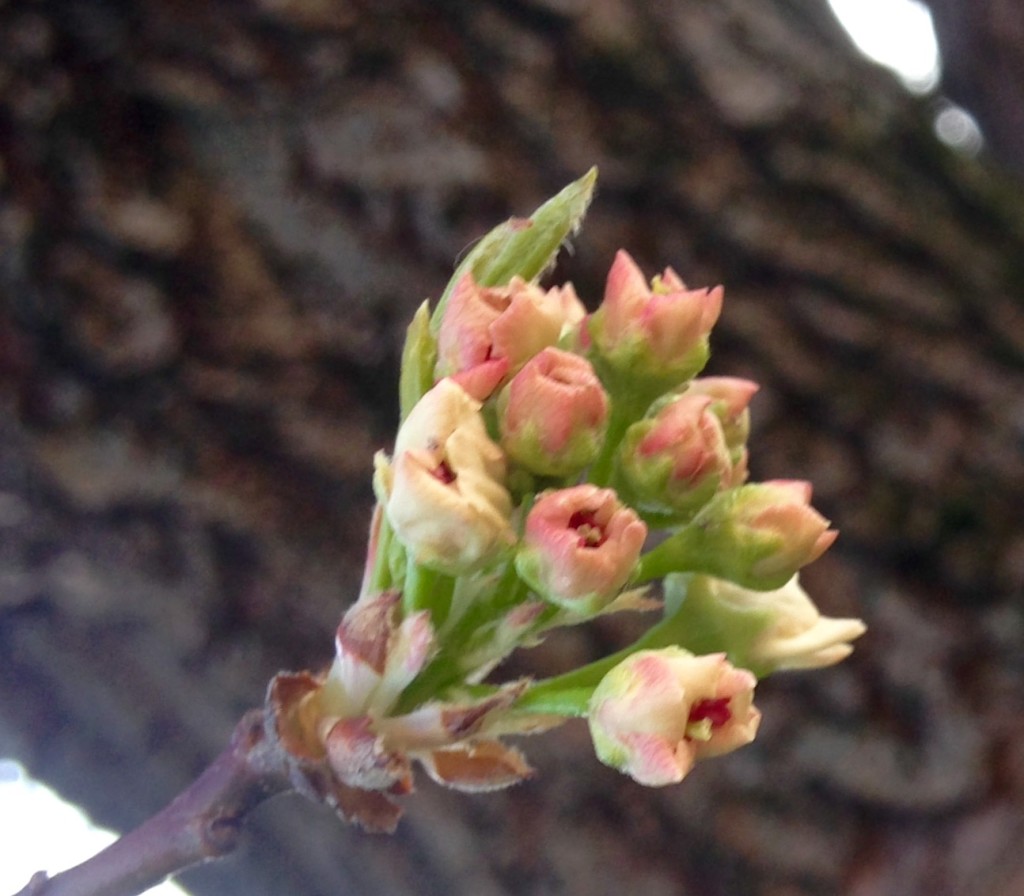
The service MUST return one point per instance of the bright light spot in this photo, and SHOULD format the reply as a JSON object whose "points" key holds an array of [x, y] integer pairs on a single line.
{"points": [[39, 831], [897, 33], [957, 128]]}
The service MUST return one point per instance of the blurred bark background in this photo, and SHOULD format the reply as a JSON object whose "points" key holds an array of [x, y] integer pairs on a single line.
{"points": [[983, 68], [217, 219]]}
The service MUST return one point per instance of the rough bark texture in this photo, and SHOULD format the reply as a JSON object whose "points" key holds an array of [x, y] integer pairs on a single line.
{"points": [[219, 216]]}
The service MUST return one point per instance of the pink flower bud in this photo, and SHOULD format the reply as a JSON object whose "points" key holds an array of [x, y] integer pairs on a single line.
{"points": [[779, 511], [730, 396], [757, 535], [444, 494], [552, 415], [672, 463], [658, 333], [488, 333], [580, 547], [659, 711]]}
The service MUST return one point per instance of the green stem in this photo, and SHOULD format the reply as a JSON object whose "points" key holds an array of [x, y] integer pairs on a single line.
{"points": [[447, 668], [680, 552], [696, 624], [568, 702], [380, 576], [553, 695], [426, 589], [623, 414]]}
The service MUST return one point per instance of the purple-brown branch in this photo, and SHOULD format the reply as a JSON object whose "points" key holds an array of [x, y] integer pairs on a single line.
{"points": [[201, 824]]}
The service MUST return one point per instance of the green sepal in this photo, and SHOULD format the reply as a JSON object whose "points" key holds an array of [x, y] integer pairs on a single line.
{"points": [[528, 566], [631, 370]]}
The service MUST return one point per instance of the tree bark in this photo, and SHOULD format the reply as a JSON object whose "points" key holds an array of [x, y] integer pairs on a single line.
{"points": [[219, 217]]}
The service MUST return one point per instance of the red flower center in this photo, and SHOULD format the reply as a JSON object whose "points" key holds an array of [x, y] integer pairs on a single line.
{"points": [[715, 709], [445, 473], [591, 532]]}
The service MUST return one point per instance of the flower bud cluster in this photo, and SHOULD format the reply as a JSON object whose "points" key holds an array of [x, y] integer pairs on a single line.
{"points": [[541, 448]]}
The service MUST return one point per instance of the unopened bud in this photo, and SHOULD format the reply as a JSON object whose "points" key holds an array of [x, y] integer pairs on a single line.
{"points": [[654, 336], [673, 462], [757, 535], [552, 415], [488, 333], [444, 492], [768, 630], [730, 400]]}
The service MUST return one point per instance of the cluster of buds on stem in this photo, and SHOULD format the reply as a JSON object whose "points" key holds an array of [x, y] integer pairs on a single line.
{"points": [[552, 466]]}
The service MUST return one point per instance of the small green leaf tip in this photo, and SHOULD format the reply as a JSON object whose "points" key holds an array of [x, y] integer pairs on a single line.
{"points": [[419, 354], [525, 247]]}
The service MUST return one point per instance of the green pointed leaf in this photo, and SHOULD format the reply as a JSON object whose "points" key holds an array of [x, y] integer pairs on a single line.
{"points": [[419, 354], [524, 247]]}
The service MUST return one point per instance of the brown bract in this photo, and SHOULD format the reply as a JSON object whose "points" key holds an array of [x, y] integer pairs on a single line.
{"points": [[310, 773], [342, 750]]}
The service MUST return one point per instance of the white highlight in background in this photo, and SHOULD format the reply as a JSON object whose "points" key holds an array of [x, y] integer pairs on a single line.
{"points": [[956, 127], [40, 832], [900, 35], [897, 33]]}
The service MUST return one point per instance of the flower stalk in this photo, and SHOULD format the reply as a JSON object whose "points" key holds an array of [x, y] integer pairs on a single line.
{"points": [[202, 824]]}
